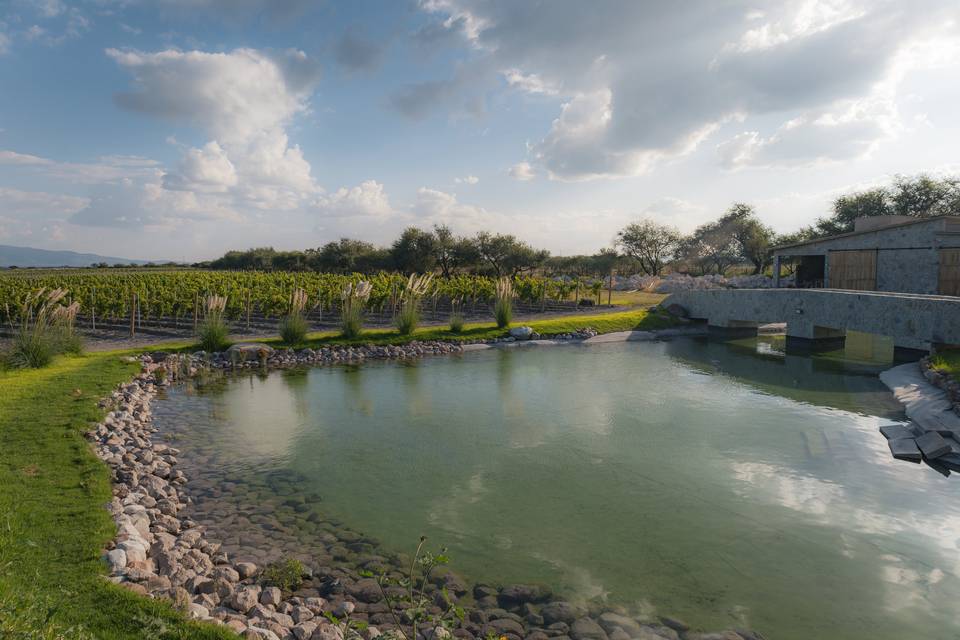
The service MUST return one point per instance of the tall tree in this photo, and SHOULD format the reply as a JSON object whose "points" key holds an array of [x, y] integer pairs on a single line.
{"points": [[414, 251], [754, 238], [506, 255], [923, 196], [652, 244]]}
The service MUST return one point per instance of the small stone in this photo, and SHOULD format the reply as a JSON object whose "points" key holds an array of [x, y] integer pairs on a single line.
{"points": [[246, 570], [610, 621], [558, 612], [304, 630], [116, 559], [244, 599], [271, 596], [587, 629], [327, 632], [198, 611]]}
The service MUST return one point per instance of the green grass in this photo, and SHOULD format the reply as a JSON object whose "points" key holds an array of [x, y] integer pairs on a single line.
{"points": [[53, 524], [948, 362], [634, 298], [639, 319]]}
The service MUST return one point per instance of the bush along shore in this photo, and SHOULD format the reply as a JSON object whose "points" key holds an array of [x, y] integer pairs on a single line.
{"points": [[160, 552], [941, 375]]}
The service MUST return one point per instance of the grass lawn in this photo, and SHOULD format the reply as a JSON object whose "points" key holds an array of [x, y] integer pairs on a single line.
{"points": [[635, 298], [639, 319], [53, 489], [53, 524]]}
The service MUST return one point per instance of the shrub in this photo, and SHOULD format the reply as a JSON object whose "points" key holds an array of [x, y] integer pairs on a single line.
{"points": [[45, 329], [285, 574], [353, 298], [503, 303], [293, 326], [456, 322], [415, 288], [407, 319], [213, 330]]}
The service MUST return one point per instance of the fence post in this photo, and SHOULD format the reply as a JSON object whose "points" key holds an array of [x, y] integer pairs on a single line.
{"points": [[133, 314], [248, 311], [610, 289], [196, 310], [93, 309]]}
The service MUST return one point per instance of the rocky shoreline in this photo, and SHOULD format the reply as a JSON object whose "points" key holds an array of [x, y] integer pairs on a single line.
{"points": [[161, 552]]}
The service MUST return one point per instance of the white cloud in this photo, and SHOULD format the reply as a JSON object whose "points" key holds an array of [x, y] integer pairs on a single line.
{"points": [[522, 171], [529, 82], [149, 205], [12, 157], [433, 206], [35, 204], [467, 180], [641, 82], [4, 41], [366, 199], [206, 169], [105, 170], [244, 100]]}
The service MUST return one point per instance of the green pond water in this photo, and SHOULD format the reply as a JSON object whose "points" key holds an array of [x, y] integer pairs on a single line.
{"points": [[724, 484]]}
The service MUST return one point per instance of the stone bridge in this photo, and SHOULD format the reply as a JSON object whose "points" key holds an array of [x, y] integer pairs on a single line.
{"points": [[819, 318]]}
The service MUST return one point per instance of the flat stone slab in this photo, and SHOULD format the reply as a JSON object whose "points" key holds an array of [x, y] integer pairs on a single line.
{"points": [[477, 347], [898, 431], [932, 445], [621, 336], [925, 404], [905, 449]]}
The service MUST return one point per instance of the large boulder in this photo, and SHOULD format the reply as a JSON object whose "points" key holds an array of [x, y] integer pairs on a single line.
{"points": [[521, 333], [248, 350]]}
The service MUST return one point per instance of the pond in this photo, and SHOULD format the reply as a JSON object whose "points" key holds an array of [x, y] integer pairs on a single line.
{"points": [[723, 484]]}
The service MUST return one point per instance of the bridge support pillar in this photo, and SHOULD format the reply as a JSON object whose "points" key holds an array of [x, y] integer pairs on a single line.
{"points": [[805, 337], [731, 329]]}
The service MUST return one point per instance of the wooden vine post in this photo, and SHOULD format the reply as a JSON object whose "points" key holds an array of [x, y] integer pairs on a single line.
{"points": [[196, 310], [610, 288], [133, 314]]}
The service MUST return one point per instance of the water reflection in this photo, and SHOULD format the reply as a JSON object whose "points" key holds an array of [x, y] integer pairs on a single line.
{"points": [[720, 483]]}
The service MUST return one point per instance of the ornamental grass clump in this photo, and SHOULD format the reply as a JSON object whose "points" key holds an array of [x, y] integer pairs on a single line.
{"points": [[213, 330], [503, 303], [456, 317], [293, 326], [353, 300], [46, 328], [408, 317]]}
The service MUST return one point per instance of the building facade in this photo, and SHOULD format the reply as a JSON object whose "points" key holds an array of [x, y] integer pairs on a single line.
{"points": [[885, 253]]}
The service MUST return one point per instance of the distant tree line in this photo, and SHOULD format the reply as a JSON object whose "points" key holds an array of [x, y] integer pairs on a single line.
{"points": [[738, 238]]}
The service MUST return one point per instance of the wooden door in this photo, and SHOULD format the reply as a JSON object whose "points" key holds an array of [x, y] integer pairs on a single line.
{"points": [[853, 270], [949, 272]]}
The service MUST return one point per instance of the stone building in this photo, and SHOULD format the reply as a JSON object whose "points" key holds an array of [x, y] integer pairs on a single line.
{"points": [[883, 253]]}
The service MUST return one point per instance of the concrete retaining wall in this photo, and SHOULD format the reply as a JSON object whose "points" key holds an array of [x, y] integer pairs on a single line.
{"points": [[821, 316]]}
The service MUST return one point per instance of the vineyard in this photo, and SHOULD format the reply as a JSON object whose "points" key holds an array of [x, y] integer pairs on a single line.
{"points": [[169, 301]]}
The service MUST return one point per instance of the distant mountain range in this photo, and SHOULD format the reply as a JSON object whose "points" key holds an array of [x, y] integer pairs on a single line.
{"points": [[29, 257]]}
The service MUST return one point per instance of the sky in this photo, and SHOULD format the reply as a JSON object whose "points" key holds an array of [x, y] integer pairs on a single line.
{"points": [[179, 129]]}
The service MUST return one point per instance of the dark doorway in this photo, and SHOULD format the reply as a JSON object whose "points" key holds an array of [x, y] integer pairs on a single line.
{"points": [[811, 272]]}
